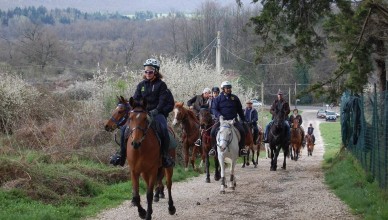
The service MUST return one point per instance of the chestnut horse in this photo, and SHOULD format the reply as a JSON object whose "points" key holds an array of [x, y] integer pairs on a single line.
{"points": [[190, 128], [310, 145], [206, 121], [143, 154], [252, 147], [296, 139]]}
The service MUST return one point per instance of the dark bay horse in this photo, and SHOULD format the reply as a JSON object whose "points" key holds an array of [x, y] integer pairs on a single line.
{"points": [[249, 142], [206, 121], [296, 140], [190, 127], [277, 137], [143, 154], [310, 145]]}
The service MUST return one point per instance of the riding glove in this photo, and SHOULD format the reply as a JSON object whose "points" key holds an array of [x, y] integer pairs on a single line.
{"points": [[154, 112]]}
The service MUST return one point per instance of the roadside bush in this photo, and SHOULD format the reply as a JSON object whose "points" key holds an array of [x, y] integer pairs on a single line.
{"points": [[17, 98]]}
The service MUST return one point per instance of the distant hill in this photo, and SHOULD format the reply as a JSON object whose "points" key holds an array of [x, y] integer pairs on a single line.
{"points": [[111, 6]]}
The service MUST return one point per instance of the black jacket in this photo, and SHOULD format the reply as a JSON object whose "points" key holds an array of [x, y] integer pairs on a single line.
{"points": [[156, 94]]}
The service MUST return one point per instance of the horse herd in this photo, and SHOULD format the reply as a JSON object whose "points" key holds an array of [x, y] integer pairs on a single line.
{"points": [[143, 148]]}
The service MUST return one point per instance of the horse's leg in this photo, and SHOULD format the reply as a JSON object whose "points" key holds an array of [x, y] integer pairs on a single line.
{"points": [[150, 179], [222, 165], [136, 196], [284, 162], [168, 173], [193, 156], [159, 184], [186, 154], [247, 157], [232, 177], [243, 165], [207, 164], [217, 174]]}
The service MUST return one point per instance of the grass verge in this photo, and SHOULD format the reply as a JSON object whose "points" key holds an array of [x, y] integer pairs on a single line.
{"points": [[345, 176]]}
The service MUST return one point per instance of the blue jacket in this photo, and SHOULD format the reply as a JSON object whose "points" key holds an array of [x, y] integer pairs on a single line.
{"points": [[156, 94], [251, 115], [229, 106]]}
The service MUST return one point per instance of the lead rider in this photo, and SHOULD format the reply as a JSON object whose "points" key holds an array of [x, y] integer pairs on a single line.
{"points": [[159, 105], [229, 106]]}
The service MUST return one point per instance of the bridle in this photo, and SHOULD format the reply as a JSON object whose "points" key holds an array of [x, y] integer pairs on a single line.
{"points": [[143, 130], [124, 118], [227, 141]]}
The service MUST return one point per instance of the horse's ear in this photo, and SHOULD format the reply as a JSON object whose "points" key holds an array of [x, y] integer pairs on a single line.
{"points": [[144, 103], [221, 118], [131, 101], [122, 99]]}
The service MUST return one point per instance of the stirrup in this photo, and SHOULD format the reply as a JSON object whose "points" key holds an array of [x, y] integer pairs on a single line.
{"points": [[243, 152], [212, 152], [198, 142]]}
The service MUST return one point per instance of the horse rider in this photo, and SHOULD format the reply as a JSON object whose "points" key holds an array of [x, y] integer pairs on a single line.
{"points": [[196, 104], [310, 131], [155, 92], [215, 93], [251, 116], [199, 101], [280, 101], [300, 121], [228, 106]]}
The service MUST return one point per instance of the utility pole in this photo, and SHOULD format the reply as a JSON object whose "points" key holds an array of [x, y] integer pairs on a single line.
{"points": [[262, 93], [218, 52]]}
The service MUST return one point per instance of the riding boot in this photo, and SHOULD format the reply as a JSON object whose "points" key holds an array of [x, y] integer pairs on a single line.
{"points": [[313, 139], [119, 158], [212, 151], [167, 160]]}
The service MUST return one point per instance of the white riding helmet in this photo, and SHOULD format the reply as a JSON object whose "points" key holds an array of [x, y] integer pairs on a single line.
{"points": [[152, 62], [206, 90], [225, 83]]}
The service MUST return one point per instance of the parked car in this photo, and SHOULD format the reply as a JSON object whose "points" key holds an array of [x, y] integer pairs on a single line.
{"points": [[331, 116], [321, 113], [256, 103]]}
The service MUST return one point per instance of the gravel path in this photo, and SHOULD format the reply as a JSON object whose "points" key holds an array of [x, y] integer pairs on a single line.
{"points": [[296, 193]]}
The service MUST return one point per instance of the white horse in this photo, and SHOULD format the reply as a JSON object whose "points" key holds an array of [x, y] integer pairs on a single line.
{"points": [[227, 146]]}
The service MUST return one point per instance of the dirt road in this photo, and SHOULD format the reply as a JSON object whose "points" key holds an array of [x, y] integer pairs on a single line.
{"points": [[296, 193]]}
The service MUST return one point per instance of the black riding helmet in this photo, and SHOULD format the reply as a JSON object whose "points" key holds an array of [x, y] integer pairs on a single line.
{"points": [[215, 89]]}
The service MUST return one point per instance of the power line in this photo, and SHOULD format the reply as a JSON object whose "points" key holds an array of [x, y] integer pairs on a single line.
{"points": [[260, 64], [204, 49]]}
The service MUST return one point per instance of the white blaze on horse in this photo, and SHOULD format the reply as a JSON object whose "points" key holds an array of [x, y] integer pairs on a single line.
{"points": [[227, 146]]}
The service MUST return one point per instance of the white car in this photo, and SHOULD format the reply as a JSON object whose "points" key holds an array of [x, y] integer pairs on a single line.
{"points": [[256, 103]]}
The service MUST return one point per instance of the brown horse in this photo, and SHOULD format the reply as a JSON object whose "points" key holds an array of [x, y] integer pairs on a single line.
{"points": [[296, 139], [255, 148], [143, 154], [310, 145], [251, 147], [190, 127], [206, 121]]}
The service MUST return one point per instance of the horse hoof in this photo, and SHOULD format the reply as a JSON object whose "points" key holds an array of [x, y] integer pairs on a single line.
{"points": [[255, 165], [156, 199], [247, 164], [142, 213], [283, 168], [243, 166], [161, 195], [222, 192], [171, 210], [207, 180], [232, 188]]}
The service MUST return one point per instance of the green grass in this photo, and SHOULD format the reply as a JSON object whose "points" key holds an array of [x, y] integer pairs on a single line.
{"points": [[348, 180], [72, 190]]}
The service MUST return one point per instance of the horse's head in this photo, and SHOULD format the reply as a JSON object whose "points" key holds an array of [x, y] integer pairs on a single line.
{"points": [[224, 135], [179, 112], [295, 123], [119, 115], [205, 118], [138, 123]]}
